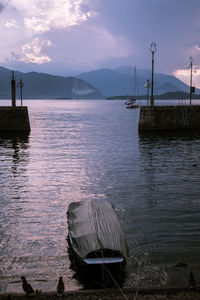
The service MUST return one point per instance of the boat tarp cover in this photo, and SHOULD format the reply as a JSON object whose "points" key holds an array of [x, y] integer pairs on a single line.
{"points": [[94, 225]]}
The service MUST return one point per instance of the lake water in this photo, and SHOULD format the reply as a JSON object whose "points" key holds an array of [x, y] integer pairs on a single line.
{"points": [[79, 150]]}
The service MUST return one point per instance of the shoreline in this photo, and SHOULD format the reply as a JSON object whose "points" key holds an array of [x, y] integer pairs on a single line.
{"points": [[115, 294]]}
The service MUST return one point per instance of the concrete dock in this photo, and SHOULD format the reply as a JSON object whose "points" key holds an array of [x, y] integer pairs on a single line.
{"points": [[160, 118], [14, 119]]}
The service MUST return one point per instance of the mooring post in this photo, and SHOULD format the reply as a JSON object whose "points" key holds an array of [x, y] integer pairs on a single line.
{"points": [[153, 50], [191, 88], [21, 84], [147, 86], [13, 92]]}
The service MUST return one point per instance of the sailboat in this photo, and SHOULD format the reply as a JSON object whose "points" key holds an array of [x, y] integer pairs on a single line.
{"points": [[131, 103]]}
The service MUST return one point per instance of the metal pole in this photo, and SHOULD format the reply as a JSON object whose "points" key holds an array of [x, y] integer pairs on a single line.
{"points": [[21, 84], [191, 60], [13, 90], [148, 85], [21, 94], [152, 98], [153, 50]]}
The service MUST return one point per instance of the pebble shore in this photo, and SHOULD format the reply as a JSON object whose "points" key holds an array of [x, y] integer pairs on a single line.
{"points": [[114, 294]]}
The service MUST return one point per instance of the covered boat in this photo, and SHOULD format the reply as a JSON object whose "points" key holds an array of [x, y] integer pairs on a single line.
{"points": [[95, 233]]}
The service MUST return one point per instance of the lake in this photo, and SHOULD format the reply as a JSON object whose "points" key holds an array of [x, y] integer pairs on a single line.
{"points": [[79, 150]]}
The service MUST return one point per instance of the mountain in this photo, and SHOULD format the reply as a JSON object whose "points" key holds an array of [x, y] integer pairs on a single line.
{"points": [[109, 82], [46, 86], [96, 84], [120, 81]]}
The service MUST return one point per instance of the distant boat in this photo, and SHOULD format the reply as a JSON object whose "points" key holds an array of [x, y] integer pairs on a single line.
{"points": [[95, 233], [131, 103]]}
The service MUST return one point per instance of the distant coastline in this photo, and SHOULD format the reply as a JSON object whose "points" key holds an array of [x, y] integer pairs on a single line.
{"points": [[64, 98], [165, 96]]}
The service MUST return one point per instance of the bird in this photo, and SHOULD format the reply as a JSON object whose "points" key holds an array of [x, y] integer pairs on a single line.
{"points": [[26, 286], [60, 286], [181, 265], [192, 283]]}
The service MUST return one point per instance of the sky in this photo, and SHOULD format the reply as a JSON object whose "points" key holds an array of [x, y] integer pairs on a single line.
{"points": [[67, 37]]}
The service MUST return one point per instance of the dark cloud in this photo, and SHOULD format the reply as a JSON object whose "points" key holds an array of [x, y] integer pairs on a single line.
{"points": [[173, 25], [14, 56], [120, 33], [1, 7]]}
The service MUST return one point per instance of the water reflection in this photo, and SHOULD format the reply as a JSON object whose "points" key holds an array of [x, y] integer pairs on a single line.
{"points": [[14, 156], [91, 149], [170, 167], [187, 133], [19, 143]]}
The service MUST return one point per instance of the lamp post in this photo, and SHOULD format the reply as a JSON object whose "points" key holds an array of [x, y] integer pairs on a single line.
{"points": [[153, 50]]}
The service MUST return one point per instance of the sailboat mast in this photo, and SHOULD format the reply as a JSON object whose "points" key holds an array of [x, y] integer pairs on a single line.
{"points": [[135, 81]]}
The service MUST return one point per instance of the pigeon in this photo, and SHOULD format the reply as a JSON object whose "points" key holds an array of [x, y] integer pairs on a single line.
{"points": [[26, 286], [60, 286], [192, 281], [181, 265]]}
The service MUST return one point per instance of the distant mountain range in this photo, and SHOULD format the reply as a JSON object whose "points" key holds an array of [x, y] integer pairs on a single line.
{"points": [[97, 84], [120, 81], [45, 86]]}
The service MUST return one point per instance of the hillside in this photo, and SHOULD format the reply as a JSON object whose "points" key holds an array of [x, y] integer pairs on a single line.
{"points": [[165, 96], [46, 86], [120, 81]]}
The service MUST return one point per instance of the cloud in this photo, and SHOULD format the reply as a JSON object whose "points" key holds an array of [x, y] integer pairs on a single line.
{"points": [[88, 46], [33, 52], [14, 56], [11, 23], [80, 35], [34, 20], [190, 49], [2, 5], [37, 24], [184, 75], [42, 16], [82, 91]]}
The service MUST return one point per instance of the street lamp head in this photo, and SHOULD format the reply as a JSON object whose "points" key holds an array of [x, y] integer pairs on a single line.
{"points": [[153, 47], [147, 84], [21, 84]]}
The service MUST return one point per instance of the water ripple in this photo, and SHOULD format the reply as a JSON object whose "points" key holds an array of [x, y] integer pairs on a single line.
{"points": [[91, 149]]}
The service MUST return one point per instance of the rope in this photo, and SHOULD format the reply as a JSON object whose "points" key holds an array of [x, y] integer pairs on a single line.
{"points": [[104, 266], [115, 282], [136, 294]]}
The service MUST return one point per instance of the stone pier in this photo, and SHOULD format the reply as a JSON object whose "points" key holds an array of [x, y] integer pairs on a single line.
{"points": [[169, 118], [14, 119]]}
